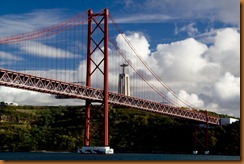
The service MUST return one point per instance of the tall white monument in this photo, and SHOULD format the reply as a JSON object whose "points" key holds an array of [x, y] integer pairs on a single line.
{"points": [[124, 82]]}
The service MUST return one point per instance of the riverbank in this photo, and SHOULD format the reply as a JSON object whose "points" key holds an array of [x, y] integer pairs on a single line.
{"points": [[61, 128]]}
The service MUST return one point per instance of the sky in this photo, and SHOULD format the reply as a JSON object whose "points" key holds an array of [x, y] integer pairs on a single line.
{"points": [[194, 45]]}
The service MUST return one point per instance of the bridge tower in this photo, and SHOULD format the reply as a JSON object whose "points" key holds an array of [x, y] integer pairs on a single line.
{"points": [[124, 82], [100, 22]]}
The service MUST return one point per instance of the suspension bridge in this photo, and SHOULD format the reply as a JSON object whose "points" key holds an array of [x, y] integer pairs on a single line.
{"points": [[90, 48]]}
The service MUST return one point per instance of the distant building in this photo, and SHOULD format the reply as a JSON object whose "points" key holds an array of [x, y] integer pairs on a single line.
{"points": [[227, 121]]}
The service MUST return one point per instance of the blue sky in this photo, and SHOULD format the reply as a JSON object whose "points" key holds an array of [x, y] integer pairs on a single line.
{"points": [[161, 21], [194, 45]]}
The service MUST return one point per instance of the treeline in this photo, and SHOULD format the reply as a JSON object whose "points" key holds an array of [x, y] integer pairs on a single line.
{"points": [[61, 128]]}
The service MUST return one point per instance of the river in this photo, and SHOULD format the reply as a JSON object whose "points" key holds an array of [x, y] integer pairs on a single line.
{"points": [[116, 156]]}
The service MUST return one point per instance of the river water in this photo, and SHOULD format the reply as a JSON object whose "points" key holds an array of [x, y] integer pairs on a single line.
{"points": [[116, 156]]}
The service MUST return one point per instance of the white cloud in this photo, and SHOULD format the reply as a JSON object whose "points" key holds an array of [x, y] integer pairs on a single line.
{"points": [[186, 67], [140, 47], [40, 49], [228, 11], [62, 75], [9, 56], [138, 41], [189, 29], [181, 61], [223, 110], [228, 87], [192, 98], [144, 18], [13, 24], [192, 69], [226, 50], [23, 97], [198, 69], [208, 37], [225, 11], [8, 59]]}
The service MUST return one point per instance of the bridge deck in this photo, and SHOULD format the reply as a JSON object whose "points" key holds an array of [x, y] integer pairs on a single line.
{"points": [[39, 84]]}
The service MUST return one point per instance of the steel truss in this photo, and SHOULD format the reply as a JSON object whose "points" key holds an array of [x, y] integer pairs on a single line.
{"points": [[72, 90], [100, 21]]}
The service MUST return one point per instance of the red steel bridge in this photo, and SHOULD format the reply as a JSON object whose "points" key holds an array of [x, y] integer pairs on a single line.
{"points": [[90, 48]]}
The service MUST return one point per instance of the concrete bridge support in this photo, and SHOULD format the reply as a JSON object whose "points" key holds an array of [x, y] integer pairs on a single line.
{"points": [[204, 130]]}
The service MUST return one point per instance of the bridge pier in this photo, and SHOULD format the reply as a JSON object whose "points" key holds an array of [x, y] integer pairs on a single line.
{"points": [[96, 150], [206, 136]]}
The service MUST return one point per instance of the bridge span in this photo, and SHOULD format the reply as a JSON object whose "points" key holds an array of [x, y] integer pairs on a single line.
{"points": [[72, 90]]}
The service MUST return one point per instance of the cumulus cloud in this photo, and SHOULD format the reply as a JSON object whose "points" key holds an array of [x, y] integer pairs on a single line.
{"points": [[208, 37], [138, 41], [228, 87], [194, 100], [187, 68], [197, 73], [181, 61], [140, 47], [203, 71], [226, 50]]}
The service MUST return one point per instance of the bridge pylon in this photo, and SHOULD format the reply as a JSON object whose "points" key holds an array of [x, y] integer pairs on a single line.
{"points": [[100, 22]]}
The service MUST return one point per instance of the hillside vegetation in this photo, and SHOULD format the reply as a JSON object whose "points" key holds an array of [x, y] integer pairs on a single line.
{"points": [[61, 128]]}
